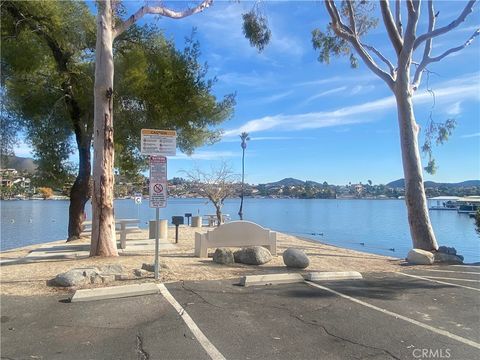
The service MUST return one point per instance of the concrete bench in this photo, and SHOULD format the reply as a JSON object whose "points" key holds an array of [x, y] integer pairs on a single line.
{"points": [[235, 234], [122, 227]]}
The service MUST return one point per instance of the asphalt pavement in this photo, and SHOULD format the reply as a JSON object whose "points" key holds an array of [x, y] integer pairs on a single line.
{"points": [[425, 312]]}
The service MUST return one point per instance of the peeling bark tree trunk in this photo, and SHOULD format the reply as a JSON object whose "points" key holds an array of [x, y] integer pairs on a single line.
{"points": [[421, 230], [80, 192], [103, 225]]}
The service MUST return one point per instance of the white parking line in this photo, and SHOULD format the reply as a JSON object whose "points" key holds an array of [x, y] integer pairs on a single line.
{"points": [[452, 271], [398, 316], [437, 281], [199, 335], [448, 278]]}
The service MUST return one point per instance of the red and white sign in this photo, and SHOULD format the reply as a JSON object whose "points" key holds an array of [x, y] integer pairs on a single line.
{"points": [[158, 142], [158, 181]]}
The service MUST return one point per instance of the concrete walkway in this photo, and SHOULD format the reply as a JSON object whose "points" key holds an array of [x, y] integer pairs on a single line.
{"points": [[383, 316], [69, 251]]}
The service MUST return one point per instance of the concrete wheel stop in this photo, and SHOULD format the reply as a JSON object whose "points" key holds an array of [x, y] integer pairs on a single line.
{"points": [[290, 278], [115, 292]]}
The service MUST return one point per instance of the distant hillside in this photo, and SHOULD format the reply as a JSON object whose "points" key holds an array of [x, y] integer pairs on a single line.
{"points": [[400, 183], [290, 182], [20, 164]]}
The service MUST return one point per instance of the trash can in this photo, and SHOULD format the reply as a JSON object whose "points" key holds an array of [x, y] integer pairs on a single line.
{"points": [[196, 221], [162, 226]]}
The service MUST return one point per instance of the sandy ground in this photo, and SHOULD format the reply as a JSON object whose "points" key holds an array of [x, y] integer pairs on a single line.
{"points": [[30, 279]]}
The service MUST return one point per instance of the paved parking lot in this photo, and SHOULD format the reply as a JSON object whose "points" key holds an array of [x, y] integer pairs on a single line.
{"points": [[422, 313]]}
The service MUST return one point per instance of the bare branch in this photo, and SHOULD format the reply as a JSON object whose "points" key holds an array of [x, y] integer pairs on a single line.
{"points": [[345, 33], [381, 57], [398, 17], [162, 11], [461, 18], [392, 30], [405, 56], [428, 47], [351, 15], [429, 60]]}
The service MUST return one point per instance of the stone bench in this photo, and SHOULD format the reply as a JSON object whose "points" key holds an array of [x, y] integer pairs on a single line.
{"points": [[235, 234], [122, 227]]}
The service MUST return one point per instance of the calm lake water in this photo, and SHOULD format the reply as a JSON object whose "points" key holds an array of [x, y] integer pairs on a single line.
{"points": [[381, 225]]}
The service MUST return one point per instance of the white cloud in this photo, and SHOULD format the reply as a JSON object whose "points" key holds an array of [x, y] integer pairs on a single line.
{"points": [[275, 97], [324, 93], [471, 135], [205, 155], [455, 109], [456, 90]]}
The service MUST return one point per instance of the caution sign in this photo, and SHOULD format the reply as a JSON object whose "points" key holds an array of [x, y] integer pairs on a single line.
{"points": [[158, 181], [158, 142]]}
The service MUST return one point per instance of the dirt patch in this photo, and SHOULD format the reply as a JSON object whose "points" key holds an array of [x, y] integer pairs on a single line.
{"points": [[30, 278]]}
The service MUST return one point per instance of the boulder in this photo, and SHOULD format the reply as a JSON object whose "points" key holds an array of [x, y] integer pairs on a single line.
{"points": [[141, 273], [448, 258], [255, 255], [447, 250], [295, 258], [223, 256], [420, 257], [111, 269], [74, 277], [151, 267]]}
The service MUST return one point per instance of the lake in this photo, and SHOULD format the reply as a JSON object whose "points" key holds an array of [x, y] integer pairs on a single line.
{"points": [[380, 225]]}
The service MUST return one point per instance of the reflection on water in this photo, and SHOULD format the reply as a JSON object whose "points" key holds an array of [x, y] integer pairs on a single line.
{"points": [[377, 226]]}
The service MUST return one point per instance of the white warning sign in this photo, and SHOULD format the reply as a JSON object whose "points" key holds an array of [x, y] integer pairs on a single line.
{"points": [[158, 181]]}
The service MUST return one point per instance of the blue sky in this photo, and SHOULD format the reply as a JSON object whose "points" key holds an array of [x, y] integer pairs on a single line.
{"points": [[322, 122]]}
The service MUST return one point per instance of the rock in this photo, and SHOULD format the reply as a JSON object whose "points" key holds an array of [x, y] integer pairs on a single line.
{"points": [[447, 250], [141, 273], [74, 277], [151, 267], [122, 277], [295, 258], [148, 267], [420, 257], [255, 255], [107, 279], [111, 269], [223, 256], [95, 279], [448, 258]]}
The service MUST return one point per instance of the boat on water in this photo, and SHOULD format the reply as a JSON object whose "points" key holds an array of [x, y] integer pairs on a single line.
{"points": [[443, 203], [468, 204]]}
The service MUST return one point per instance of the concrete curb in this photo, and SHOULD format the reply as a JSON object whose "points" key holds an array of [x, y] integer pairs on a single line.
{"points": [[289, 278], [335, 275], [271, 279], [115, 292]]}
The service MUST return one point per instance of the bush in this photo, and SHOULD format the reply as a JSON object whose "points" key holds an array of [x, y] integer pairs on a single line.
{"points": [[46, 192]]}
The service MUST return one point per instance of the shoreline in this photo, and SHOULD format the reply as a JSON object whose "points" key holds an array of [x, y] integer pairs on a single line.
{"points": [[29, 278]]}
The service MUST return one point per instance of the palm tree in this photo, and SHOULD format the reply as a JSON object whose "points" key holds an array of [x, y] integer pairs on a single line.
{"points": [[244, 137]]}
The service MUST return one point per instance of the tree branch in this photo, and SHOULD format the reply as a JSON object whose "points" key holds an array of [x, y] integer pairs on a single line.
{"points": [[428, 47], [159, 10], [345, 33], [428, 60], [381, 57], [398, 17], [405, 56], [351, 15], [461, 18], [392, 31]]}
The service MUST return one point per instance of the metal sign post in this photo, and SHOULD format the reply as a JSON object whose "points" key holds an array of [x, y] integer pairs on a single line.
{"points": [[158, 144], [158, 197]]}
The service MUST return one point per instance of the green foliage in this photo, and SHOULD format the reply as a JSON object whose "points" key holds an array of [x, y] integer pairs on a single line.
{"points": [[163, 88], [329, 44], [255, 29], [439, 134]]}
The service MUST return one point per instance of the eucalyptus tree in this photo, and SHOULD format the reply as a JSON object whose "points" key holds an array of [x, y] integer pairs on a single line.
{"points": [[402, 75], [109, 27], [244, 138], [158, 86]]}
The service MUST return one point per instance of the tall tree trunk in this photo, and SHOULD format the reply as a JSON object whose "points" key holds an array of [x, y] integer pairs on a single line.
{"points": [[421, 230], [240, 212], [103, 224], [80, 192]]}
